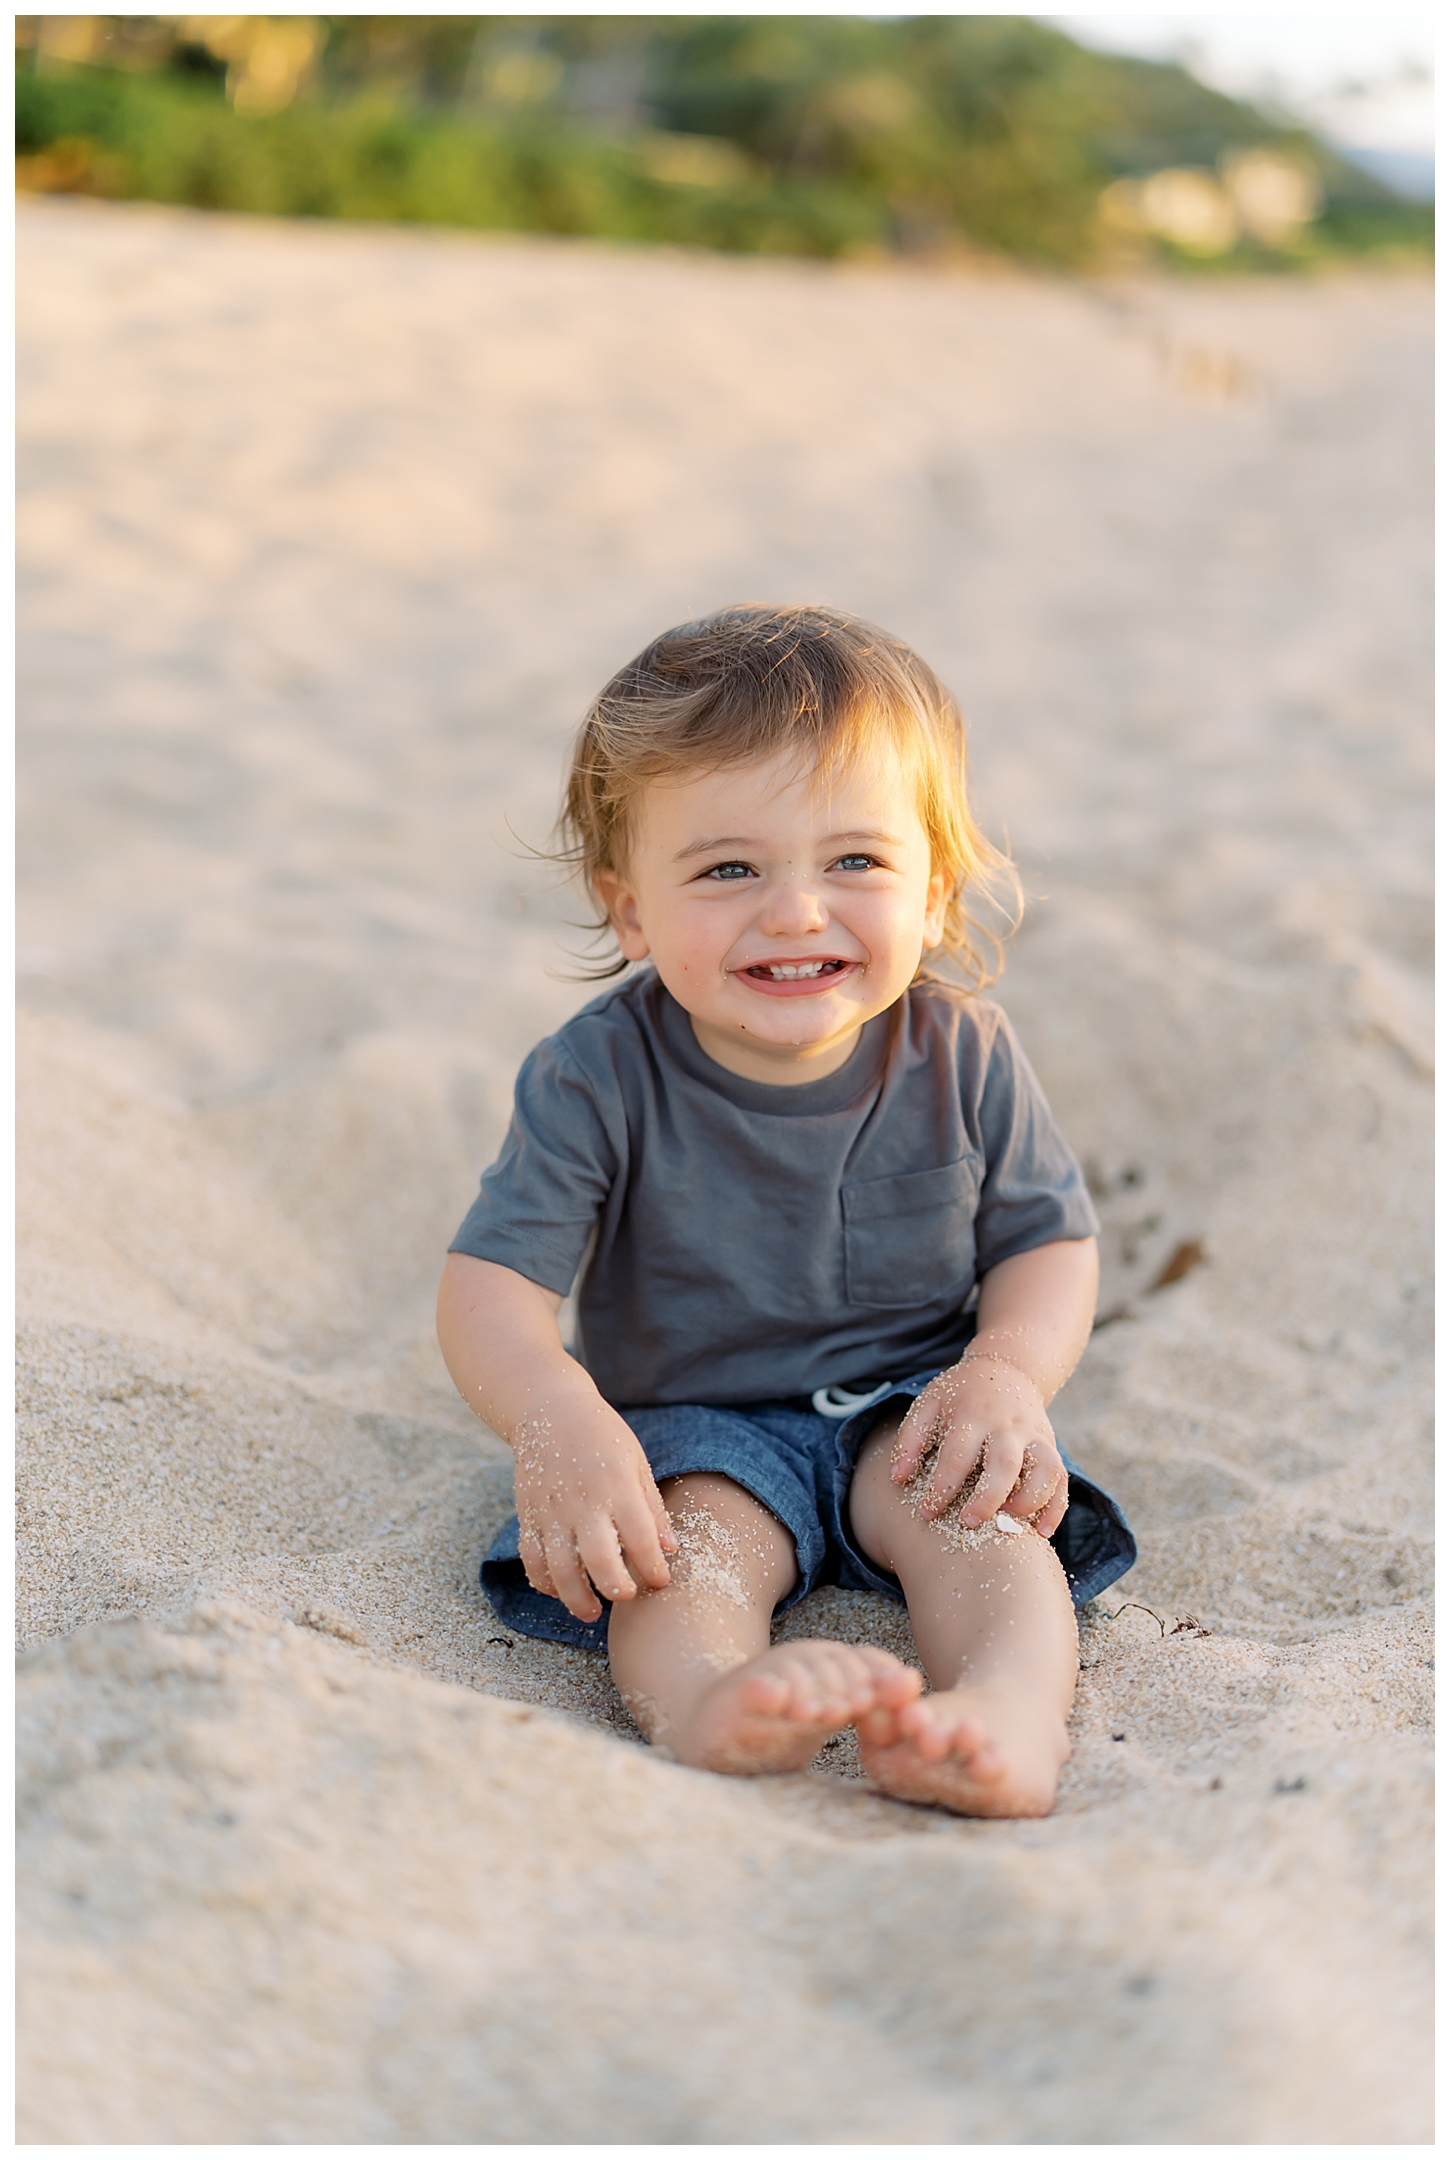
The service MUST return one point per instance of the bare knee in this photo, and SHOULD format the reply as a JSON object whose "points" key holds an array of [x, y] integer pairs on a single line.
{"points": [[728, 1543]]}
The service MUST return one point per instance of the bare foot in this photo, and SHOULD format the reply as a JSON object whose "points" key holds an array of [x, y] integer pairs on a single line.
{"points": [[777, 1712], [984, 1750]]}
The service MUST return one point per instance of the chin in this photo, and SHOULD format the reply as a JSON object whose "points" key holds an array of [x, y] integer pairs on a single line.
{"points": [[798, 1037]]}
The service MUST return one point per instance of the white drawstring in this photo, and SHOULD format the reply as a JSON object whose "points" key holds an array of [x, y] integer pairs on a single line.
{"points": [[839, 1402]]}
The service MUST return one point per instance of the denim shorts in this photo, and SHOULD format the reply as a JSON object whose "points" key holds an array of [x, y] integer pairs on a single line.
{"points": [[799, 1464]]}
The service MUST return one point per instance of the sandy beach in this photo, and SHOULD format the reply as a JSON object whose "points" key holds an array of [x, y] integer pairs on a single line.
{"points": [[326, 535]]}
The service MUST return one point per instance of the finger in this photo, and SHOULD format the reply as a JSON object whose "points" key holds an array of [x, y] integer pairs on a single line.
{"points": [[955, 1466], [1001, 1461], [602, 1560], [1050, 1515], [915, 1436], [536, 1567], [1041, 1475], [642, 1535], [664, 1528], [570, 1585]]}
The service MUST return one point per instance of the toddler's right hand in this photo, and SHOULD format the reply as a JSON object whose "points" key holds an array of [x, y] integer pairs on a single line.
{"points": [[590, 1514]]}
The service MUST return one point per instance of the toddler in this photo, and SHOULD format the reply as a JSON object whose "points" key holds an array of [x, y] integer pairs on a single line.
{"points": [[836, 1257]]}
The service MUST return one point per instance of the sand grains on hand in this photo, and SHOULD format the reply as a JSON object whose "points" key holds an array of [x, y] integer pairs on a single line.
{"points": [[961, 1536]]}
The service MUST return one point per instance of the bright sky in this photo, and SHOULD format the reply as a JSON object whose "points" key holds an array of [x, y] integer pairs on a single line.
{"points": [[1365, 78]]}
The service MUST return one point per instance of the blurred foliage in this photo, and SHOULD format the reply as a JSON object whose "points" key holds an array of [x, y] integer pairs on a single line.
{"points": [[819, 135]]}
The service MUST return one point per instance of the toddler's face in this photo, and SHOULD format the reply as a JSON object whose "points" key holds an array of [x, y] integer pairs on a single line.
{"points": [[782, 909]]}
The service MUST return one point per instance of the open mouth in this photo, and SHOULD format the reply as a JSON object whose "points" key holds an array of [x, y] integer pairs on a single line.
{"points": [[795, 970]]}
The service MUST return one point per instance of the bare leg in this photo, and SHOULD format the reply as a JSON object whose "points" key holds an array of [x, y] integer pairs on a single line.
{"points": [[995, 1629], [694, 1662]]}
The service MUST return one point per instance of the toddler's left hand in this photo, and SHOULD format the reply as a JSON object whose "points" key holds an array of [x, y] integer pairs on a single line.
{"points": [[986, 1414]]}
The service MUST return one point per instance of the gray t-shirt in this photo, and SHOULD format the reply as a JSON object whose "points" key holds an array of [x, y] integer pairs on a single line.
{"points": [[753, 1243]]}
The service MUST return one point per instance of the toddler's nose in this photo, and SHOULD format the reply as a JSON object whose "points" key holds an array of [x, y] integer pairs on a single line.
{"points": [[791, 910]]}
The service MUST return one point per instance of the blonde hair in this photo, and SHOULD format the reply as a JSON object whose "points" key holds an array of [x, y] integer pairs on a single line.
{"points": [[752, 683]]}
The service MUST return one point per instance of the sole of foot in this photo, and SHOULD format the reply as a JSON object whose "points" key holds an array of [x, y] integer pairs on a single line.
{"points": [[776, 1713], [977, 1752]]}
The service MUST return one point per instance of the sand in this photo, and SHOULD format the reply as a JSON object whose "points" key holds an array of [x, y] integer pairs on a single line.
{"points": [[326, 534]]}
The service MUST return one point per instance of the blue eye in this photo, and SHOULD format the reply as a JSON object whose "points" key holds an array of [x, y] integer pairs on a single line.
{"points": [[730, 870], [854, 862]]}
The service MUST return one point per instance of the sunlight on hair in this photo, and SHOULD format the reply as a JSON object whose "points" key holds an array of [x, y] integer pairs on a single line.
{"points": [[754, 683]]}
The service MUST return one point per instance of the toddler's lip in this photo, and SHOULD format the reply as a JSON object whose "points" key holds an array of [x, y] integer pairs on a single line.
{"points": [[799, 976]]}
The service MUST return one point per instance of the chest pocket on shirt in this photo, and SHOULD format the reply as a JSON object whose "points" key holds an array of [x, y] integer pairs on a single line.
{"points": [[912, 1239]]}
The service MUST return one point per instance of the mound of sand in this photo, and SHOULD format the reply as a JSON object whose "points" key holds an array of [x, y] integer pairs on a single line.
{"points": [[326, 536]]}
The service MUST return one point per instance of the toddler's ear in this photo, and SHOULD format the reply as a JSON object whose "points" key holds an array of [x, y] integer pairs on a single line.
{"points": [[620, 905], [936, 909]]}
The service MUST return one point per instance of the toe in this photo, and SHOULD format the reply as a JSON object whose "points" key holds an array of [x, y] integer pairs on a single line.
{"points": [[849, 1675], [879, 1727], [811, 1701], [982, 1756], [898, 1686], [966, 1741], [884, 1666], [920, 1725], [768, 1692]]}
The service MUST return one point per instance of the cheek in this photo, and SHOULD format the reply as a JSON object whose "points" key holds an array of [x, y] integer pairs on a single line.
{"points": [[887, 920], [698, 942]]}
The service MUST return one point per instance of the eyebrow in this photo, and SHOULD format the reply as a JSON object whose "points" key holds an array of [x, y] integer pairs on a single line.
{"points": [[737, 840]]}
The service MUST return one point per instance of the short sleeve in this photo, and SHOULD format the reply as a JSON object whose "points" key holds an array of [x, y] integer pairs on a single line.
{"points": [[538, 1204], [1032, 1191]]}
